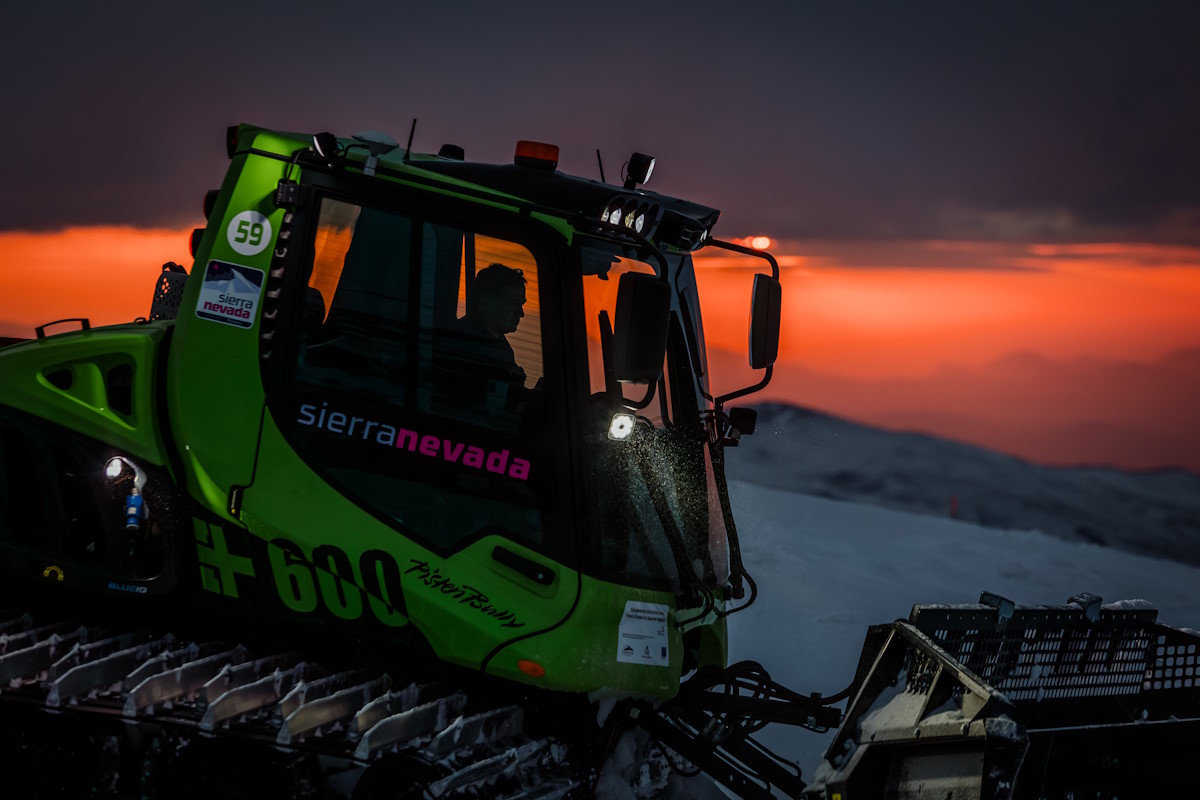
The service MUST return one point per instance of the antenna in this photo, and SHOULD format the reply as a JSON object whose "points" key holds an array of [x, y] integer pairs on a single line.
{"points": [[601, 163], [411, 132]]}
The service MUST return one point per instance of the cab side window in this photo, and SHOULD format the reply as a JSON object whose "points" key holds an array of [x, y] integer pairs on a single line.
{"points": [[414, 382], [356, 321], [429, 317]]}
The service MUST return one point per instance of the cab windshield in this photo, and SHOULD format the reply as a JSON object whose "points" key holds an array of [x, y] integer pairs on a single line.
{"points": [[658, 512]]}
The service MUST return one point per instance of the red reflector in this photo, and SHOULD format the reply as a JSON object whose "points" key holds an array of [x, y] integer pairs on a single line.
{"points": [[194, 242], [536, 154], [531, 668]]}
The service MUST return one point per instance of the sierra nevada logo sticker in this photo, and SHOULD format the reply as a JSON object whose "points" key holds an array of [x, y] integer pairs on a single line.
{"points": [[230, 294]]}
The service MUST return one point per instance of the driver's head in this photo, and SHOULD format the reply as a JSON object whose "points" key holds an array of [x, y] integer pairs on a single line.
{"points": [[498, 298]]}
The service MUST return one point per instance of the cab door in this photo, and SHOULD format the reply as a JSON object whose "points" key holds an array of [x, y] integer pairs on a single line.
{"points": [[399, 485]]}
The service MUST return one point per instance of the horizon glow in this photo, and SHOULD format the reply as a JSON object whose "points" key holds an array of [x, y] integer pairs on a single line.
{"points": [[864, 311], [842, 314]]}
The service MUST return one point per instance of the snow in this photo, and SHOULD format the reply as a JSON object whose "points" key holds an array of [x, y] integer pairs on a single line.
{"points": [[1133, 604], [893, 706], [844, 526], [827, 569]]}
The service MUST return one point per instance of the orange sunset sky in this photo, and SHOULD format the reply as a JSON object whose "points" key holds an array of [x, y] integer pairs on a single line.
{"points": [[1059, 353], [987, 214]]}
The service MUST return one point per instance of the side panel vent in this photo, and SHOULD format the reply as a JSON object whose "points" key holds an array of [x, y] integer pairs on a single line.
{"points": [[61, 379], [118, 383], [104, 384]]}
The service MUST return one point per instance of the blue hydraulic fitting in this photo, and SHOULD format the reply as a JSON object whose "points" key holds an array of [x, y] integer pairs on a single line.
{"points": [[135, 511]]}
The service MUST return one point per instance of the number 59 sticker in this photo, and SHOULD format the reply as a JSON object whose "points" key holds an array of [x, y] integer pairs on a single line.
{"points": [[249, 233]]}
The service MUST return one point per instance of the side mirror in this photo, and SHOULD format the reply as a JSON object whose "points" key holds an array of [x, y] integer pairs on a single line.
{"points": [[765, 303], [640, 329]]}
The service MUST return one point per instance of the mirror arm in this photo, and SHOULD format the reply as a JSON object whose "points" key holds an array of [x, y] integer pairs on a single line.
{"points": [[719, 402], [749, 251]]}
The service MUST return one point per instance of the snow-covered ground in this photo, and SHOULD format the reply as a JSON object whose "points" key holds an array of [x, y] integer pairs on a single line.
{"points": [[844, 525], [827, 569]]}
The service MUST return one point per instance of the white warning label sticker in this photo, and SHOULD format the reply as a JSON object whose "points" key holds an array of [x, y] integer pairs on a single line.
{"points": [[642, 636]]}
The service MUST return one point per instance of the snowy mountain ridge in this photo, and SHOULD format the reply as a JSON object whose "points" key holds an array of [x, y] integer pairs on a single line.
{"points": [[1153, 513]]}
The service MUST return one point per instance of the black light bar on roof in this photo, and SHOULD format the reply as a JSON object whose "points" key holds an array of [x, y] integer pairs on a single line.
{"points": [[638, 213]]}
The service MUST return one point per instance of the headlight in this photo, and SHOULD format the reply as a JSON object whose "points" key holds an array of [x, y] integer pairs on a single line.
{"points": [[621, 427], [115, 468], [119, 469]]}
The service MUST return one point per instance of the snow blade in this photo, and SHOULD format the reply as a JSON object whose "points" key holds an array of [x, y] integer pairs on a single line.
{"points": [[1000, 700]]}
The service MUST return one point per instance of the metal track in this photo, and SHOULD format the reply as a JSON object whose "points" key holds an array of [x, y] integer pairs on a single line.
{"points": [[352, 721]]}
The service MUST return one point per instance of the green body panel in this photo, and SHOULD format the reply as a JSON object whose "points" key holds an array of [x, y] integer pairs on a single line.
{"points": [[213, 375], [270, 532], [581, 654], [714, 645], [86, 402], [465, 605], [288, 499]]}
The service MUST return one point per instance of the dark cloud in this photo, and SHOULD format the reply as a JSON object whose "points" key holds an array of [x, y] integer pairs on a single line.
{"points": [[1060, 121]]}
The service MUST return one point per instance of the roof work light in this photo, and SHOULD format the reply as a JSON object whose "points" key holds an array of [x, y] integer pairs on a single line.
{"points": [[632, 213], [640, 167]]}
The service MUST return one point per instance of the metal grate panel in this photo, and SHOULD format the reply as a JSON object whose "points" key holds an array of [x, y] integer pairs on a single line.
{"points": [[168, 292], [1042, 652], [1174, 661]]}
